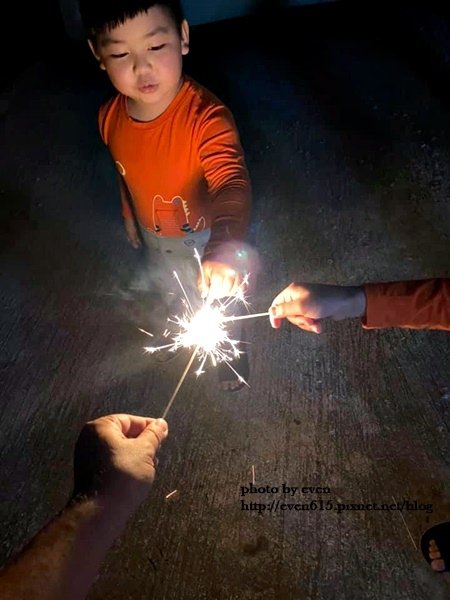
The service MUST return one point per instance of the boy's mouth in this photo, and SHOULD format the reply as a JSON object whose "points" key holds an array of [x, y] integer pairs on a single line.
{"points": [[148, 88]]}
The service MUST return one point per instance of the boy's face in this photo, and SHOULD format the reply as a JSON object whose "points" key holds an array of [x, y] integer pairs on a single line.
{"points": [[143, 58]]}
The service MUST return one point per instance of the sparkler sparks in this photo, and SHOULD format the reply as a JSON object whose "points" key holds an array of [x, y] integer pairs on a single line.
{"points": [[205, 331], [171, 494]]}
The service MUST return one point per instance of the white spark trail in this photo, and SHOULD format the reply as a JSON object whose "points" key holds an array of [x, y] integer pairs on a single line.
{"points": [[175, 274], [205, 331]]}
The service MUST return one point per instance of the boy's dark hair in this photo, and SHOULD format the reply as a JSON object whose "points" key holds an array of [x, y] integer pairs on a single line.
{"points": [[99, 16]]}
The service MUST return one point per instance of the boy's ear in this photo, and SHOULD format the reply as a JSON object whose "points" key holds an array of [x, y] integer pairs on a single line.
{"points": [[94, 52], [184, 37]]}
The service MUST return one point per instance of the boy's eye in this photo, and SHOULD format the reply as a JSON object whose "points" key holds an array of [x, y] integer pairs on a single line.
{"points": [[156, 48], [119, 55]]}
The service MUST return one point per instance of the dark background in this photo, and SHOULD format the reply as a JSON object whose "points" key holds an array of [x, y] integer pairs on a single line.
{"points": [[344, 116]]}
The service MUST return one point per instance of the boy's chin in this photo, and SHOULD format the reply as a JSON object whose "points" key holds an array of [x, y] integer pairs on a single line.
{"points": [[139, 100]]}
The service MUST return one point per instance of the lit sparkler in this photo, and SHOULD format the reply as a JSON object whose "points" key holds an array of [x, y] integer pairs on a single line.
{"points": [[205, 331]]}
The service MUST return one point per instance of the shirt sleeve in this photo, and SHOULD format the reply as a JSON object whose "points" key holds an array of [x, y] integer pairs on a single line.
{"points": [[409, 304], [103, 128], [223, 163]]}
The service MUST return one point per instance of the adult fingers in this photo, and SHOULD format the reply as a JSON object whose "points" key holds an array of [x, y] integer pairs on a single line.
{"points": [[156, 432], [282, 297], [202, 285], [286, 309], [276, 323], [130, 426], [306, 323]]}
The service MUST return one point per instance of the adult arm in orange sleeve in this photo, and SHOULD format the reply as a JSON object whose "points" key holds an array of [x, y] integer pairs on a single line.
{"points": [[409, 304], [406, 304]]}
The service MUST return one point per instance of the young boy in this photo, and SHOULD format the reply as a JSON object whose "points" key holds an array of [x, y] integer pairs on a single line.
{"points": [[182, 175]]}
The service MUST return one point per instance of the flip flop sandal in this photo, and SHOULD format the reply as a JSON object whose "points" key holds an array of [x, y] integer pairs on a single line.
{"points": [[240, 365], [441, 535]]}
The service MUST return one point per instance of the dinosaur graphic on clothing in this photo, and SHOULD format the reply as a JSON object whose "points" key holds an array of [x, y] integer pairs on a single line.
{"points": [[172, 216]]}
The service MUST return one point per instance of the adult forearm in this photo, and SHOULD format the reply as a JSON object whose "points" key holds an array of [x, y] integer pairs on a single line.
{"points": [[63, 560], [410, 304]]}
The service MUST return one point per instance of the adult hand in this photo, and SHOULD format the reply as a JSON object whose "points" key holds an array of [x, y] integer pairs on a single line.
{"points": [[115, 458]]}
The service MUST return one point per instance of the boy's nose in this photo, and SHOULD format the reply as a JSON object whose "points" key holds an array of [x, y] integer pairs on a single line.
{"points": [[143, 63]]}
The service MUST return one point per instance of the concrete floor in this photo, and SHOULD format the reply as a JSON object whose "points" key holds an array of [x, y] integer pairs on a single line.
{"points": [[347, 144]]}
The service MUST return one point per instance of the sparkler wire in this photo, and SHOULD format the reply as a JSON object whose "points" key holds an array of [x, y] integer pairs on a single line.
{"points": [[199, 261], [180, 383], [239, 318], [406, 526]]}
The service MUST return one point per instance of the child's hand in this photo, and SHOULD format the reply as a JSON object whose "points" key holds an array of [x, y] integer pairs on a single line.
{"points": [[132, 233], [219, 280], [304, 305]]}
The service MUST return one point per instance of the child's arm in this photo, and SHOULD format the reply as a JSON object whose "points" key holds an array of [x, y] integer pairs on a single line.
{"points": [[128, 219], [125, 197], [223, 163]]}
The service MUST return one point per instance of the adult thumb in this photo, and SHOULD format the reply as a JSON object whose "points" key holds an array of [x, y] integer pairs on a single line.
{"points": [[157, 429]]}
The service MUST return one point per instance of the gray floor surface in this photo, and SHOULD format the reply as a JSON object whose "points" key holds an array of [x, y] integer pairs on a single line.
{"points": [[348, 150]]}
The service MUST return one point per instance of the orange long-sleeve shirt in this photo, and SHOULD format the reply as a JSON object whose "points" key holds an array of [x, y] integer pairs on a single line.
{"points": [[410, 304], [184, 170]]}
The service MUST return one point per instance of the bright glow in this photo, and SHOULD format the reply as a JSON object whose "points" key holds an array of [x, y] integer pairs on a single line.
{"points": [[205, 331]]}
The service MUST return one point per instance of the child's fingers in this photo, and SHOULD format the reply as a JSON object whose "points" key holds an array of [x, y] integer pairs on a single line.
{"points": [[134, 242], [132, 233], [216, 286], [204, 281], [230, 283], [132, 239], [202, 287], [218, 281]]}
